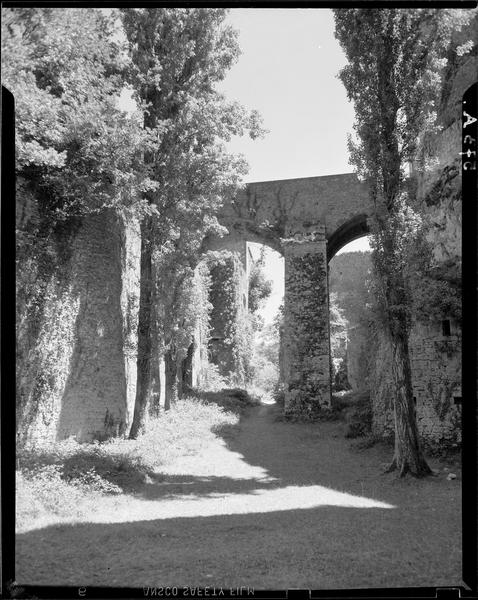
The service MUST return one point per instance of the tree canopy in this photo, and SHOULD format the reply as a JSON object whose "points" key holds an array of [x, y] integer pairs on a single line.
{"points": [[177, 58], [66, 72]]}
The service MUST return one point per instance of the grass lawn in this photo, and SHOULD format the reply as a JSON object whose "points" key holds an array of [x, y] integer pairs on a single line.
{"points": [[207, 500]]}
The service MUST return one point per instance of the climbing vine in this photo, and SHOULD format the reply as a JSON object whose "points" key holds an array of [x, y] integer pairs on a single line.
{"points": [[230, 324]]}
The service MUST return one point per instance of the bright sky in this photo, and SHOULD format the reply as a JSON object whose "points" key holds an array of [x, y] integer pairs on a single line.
{"points": [[288, 72]]}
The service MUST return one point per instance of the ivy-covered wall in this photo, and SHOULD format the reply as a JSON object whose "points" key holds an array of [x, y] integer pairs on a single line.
{"points": [[436, 378], [76, 324], [306, 345], [199, 361], [230, 338]]}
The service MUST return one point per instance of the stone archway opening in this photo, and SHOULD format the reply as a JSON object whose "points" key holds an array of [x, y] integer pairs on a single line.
{"points": [[246, 293], [349, 274], [266, 306]]}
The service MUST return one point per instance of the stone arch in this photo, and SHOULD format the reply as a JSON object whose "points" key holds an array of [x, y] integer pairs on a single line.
{"points": [[307, 221], [353, 229]]}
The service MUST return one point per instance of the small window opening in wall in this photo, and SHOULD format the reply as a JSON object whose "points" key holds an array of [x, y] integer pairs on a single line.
{"points": [[415, 400], [457, 400], [445, 327]]}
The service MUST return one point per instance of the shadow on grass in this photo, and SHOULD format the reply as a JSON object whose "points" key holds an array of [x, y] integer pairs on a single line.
{"points": [[174, 486], [274, 550], [306, 543]]}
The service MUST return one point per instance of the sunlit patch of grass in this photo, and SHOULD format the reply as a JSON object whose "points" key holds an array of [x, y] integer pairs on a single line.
{"points": [[66, 478]]}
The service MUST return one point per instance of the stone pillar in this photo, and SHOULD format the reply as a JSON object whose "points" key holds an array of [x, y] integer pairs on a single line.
{"points": [[306, 323]]}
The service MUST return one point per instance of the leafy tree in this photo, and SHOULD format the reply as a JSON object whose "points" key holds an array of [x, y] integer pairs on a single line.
{"points": [[395, 60], [260, 288], [79, 151], [177, 57]]}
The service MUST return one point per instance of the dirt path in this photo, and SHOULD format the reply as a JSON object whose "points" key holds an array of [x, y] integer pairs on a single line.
{"points": [[274, 506]]}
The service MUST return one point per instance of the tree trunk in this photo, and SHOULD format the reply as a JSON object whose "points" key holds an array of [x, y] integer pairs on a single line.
{"points": [[143, 378], [172, 380], [179, 378], [156, 383], [187, 370], [408, 456], [145, 338]]}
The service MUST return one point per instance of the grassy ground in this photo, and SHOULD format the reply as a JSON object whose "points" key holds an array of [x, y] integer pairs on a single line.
{"points": [[69, 479], [268, 504]]}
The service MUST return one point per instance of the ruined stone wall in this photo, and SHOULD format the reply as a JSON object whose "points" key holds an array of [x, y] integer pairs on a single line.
{"points": [[76, 325], [199, 350], [98, 399], [436, 379]]}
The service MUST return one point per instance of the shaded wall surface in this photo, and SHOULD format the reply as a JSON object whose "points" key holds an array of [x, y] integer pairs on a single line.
{"points": [[76, 326], [98, 399], [436, 379]]}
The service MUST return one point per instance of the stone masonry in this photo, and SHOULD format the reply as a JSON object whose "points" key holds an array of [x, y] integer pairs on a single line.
{"points": [[303, 219], [76, 354], [436, 378], [306, 351]]}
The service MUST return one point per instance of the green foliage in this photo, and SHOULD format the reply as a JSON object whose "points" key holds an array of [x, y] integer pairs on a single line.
{"points": [[231, 400], [436, 286], [265, 361], [338, 328], [72, 143], [394, 77], [229, 319], [358, 414], [397, 62], [177, 58], [211, 379], [260, 288], [404, 50]]}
